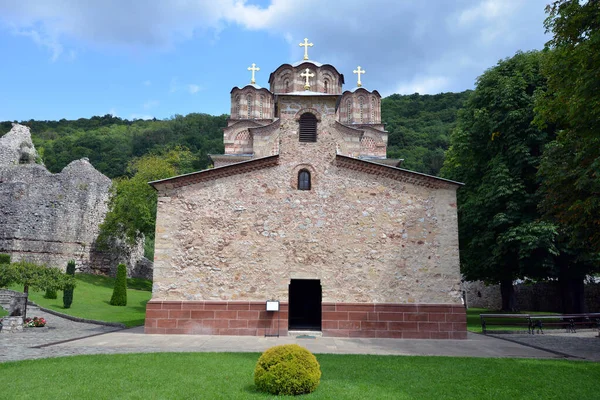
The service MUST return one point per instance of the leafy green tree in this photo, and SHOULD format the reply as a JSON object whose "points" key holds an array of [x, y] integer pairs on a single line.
{"points": [[419, 127], [119, 296], [570, 167], [35, 276], [132, 207], [495, 151]]}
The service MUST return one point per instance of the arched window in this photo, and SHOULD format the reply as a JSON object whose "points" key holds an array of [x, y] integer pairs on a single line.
{"points": [[326, 84], [349, 111], [360, 109], [303, 180], [249, 104], [286, 85], [308, 127]]}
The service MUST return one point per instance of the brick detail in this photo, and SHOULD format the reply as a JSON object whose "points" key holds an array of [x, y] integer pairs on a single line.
{"points": [[236, 318], [401, 321]]}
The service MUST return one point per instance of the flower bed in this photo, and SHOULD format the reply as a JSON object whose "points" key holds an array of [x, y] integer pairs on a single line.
{"points": [[35, 322]]}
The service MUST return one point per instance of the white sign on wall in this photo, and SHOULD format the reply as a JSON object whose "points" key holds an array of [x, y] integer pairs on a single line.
{"points": [[272, 305]]}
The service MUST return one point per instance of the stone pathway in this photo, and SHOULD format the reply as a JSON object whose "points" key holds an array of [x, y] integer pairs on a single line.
{"points": [[584, 344], [58, 341], [21, 346]]}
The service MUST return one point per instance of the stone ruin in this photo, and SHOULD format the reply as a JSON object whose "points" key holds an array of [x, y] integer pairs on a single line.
{"points": [[53, 218]]}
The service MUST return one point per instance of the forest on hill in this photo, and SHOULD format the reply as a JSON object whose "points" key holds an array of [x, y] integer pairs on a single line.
{"points": [[419, 127]]}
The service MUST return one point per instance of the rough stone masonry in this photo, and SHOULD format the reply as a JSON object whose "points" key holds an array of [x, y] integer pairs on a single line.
{"points": [[53, 218]]}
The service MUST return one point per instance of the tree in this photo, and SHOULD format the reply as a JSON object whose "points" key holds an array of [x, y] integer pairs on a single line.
{"points": [[132, 206], [34, 276], [119, 296], [68, 290], [570, 167], [495, 151]]}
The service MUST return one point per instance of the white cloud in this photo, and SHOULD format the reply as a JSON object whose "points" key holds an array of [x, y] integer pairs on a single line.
{"points": [[193, 88], [113, 112], [424, 85], [151, 104], [409, 43]]}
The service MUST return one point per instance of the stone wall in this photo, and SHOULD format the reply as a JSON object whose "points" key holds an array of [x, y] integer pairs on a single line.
{"points": [[371, 234], [53, 218], [530, 297]]}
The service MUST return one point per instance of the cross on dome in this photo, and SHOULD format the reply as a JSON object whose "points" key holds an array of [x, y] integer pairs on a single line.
{"points": [[359, 71], [253, 68], [307, 74], [306, 45]]}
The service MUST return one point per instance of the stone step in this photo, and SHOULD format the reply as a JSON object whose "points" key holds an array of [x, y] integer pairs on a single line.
{"points": [[307, 334]]}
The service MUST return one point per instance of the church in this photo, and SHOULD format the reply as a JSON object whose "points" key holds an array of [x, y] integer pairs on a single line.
{"points": [[304, 225]]}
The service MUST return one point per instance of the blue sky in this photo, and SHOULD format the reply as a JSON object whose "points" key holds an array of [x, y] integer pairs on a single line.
{"points": [[152, 58]]}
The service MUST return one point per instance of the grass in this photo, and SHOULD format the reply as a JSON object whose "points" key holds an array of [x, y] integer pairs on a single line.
{"points": [[230, 376], [474, 321], [3, 312], [91, 300]]}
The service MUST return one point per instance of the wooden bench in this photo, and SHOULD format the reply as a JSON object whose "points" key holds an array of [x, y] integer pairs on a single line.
{"points": [[567, 321], [538, 321], [504, 320]]}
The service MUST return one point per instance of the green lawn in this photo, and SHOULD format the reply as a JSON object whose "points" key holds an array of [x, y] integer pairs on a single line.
{"points": [[230, 376], [3, 312], [474, 321], [91, 300]]}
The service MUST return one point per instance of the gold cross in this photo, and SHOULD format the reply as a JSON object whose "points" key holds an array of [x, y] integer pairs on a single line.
{"points": [[306, 74], [306, 45], [359, 71], [253, 68]]}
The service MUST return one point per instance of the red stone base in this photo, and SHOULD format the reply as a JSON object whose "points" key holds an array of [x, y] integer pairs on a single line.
{"points": [[406, 321]]}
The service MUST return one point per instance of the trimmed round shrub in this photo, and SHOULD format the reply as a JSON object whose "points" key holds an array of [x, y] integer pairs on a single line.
{"points": [[50, 294], [288, 369]]}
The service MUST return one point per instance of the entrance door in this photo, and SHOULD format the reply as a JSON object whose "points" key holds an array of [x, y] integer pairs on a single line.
{"points": [[305, 305]]}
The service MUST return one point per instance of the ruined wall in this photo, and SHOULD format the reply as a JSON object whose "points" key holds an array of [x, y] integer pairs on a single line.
{"points": [[53, 218], [543, 296]]}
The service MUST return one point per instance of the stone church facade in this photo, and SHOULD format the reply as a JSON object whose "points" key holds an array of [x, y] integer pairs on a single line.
{"points": [[304, 209]]}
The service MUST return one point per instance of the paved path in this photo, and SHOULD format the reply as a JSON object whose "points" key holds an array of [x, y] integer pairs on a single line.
{"points": [[110, 340], [584, 344]]}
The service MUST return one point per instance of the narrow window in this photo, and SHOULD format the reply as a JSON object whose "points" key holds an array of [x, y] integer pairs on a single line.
{"points": [[360, 108], [287, 86], [349, 111], [249, 104], [262, 99], [373, 110], [303, 180], [308, 127], [237, 107], [326, 86]]}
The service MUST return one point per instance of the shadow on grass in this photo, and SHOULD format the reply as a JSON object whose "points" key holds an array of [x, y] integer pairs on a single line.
{"points": [[108, 282]]}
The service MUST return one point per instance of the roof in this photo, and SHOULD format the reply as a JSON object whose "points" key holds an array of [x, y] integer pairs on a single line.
{"points": [[316, 64], [399, 174], [215, 173]]}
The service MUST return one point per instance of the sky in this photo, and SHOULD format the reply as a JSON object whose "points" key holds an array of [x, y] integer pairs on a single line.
{"points": [[154, 59]]}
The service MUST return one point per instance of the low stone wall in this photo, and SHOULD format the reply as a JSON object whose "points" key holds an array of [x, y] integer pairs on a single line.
{"points": [[408, 321], [11, 299], [535, 297]]}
